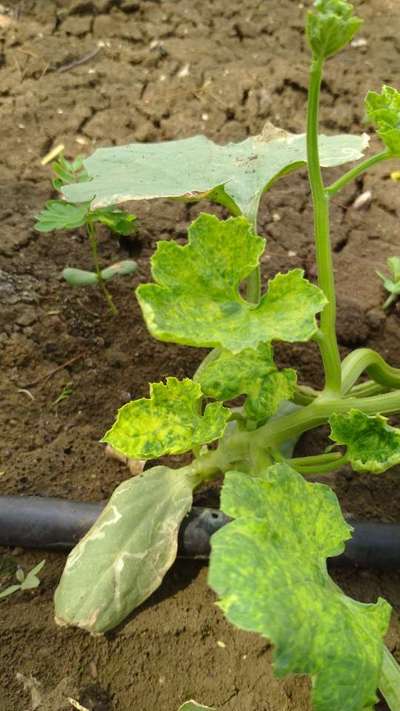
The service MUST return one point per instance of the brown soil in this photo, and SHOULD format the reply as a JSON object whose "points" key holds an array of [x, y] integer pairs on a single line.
{"points": [[165, 70]]}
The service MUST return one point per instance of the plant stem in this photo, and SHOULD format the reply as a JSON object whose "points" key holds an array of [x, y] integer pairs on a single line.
{"points": [[389, 683], [390, 300], [327, 339], [326, 468], [315, 459], [366, 359], [91, 231], [366, 389], [352, 174], [277, 431]]}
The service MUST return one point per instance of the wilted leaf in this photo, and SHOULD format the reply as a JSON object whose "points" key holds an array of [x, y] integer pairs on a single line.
{"points": [[372, 445], [383, 110], [125, 555], [196, 299], [194, 168], [269, 569], [251, 372], [331, 25], [170, 422]]}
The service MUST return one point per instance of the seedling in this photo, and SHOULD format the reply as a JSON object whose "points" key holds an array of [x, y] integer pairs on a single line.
{"points": [[30, 581], [391, 284], [268, 566], [61, 215], [65, 393]]}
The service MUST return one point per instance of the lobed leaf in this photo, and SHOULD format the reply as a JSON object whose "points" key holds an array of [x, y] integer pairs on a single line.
{"points": [[196, 300], [61, 215], [383, 111], [251, 372], [269, 568], [372, 445], [125, 555], [234, 175], [169, 422], [331, 25]]}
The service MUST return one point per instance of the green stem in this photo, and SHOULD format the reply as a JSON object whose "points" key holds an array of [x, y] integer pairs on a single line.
{"points": [[315, 459], [326, 468], [352, 174], [91, 231], [390, 300], [249, 446], [277, 431], [389, 683], [366, 389], [304, 395], [365, 359], [327, 339]]}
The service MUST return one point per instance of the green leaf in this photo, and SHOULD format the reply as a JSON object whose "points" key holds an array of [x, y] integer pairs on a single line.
{"points": [[383, 111], [10, 590], [194, 168], [196, 299], [372, 445], [61, 215], [392, 284], [31, 580], [124, 268], [251, 372], [330, 27], [125, 555], [79, 277], [118, 221], [194, 706], [170, 422], [68, 171], [269, 569]]}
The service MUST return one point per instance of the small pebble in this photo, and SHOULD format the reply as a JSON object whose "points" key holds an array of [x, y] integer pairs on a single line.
{"points": [[362, 200]]}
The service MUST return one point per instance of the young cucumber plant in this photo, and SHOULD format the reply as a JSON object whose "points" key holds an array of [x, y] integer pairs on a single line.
{"points": [[268, 565], [62, 215]]}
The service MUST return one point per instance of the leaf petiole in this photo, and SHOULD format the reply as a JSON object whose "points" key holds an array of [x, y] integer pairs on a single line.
{"points": [[352, 174], [327, 340], [366, 359]]}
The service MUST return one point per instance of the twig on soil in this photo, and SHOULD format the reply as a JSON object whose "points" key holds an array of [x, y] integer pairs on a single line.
{"points": [[50, 374], [77, 705], [26, 392], [78, 62]]}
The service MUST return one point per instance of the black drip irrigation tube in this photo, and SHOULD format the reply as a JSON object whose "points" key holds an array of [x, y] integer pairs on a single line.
{"points": [[57, 524]]}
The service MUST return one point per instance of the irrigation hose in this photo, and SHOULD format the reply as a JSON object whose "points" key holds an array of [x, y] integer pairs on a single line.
{"points": [[57, 524]]}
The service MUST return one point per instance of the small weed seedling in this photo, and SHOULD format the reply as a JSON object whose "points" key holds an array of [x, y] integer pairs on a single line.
{"points": [[30, 581], [62, 215], [392, 283], [268, 565]]}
